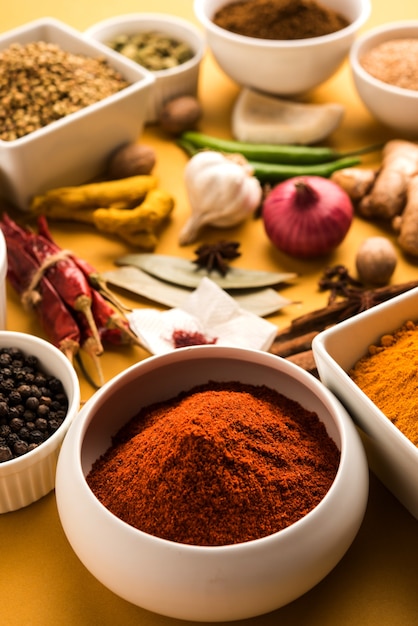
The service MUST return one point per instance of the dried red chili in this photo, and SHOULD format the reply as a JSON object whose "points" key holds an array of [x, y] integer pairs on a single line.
{"points": [[66, 277], [54, 316], [112, 327], [221, 464]]}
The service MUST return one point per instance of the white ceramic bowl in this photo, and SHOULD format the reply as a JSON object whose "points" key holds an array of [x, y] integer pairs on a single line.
{"points": [[170, 83], [281, 67], [218, 583], [393, 106], [76, 148], [3, 274], [25, 479], [392, 457]]}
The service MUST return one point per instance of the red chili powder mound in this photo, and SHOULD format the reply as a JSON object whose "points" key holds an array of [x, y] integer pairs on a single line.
{"points": [[220, 464]]}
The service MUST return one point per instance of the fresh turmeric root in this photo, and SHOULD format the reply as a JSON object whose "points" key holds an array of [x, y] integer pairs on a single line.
{"points": [[132, 208], [406, 224], [138, 226], [388, 195], [122, 193]]}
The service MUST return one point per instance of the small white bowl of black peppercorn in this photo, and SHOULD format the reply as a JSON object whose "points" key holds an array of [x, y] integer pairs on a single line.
{"points": [[39, 398]]}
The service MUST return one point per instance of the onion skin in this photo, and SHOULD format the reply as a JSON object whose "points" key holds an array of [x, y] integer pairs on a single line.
{"points": [[307, 216]]}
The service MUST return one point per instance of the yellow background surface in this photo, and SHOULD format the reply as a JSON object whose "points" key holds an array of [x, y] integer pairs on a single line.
{"points": [[41, 579]]}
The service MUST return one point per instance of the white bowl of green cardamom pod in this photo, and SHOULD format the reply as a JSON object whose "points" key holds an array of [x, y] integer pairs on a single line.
{"points": [[215, 514], [377, 386], [169, 46]]}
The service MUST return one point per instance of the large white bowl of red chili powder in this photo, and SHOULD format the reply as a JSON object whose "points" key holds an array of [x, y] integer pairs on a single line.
{"points": [[212, 483], [282, 48]]}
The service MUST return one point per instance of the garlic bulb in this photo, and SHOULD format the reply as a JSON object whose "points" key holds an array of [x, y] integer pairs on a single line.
{"points": [[222, 192]]}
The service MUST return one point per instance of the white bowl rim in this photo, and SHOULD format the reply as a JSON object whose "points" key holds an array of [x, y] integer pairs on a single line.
{"points": [[44, 449], [327, 398], [3, 256], [162, 18], [145, 80], [392, 29], [278, 44]]}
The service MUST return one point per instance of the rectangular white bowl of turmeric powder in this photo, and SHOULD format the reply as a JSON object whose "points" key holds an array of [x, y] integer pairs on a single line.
{"points": [[59, 119], [388, 332]]}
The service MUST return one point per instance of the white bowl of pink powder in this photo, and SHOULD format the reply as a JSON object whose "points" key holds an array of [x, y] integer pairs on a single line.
{"points": [[198, 473], [384, 65]]}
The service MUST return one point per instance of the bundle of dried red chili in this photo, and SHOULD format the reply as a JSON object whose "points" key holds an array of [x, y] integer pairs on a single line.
{"points": [[223, 463], [53, 282]]}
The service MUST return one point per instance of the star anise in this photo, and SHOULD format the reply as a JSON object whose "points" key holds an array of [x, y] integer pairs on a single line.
{"points": [[216, 256]]}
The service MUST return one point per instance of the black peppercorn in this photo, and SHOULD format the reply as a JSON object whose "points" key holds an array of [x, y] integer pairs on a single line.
{"points": [[36, 436], [5, 453], [33, 404], [16, 423], [20, 447]]}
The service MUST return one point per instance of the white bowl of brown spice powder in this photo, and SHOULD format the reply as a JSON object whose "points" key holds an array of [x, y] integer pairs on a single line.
{"points": [[212, 483], [66, 103], [384, 64], [281, 47]]}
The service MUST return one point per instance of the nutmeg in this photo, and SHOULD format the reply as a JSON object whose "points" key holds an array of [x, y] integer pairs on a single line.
{"points": [[180, 114], [131, 160]]}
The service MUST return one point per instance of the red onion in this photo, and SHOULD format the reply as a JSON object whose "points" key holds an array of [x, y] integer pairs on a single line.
{"points": [[307, 216]]}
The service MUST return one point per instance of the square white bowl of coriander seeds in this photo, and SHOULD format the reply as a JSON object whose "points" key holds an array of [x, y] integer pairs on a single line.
{"points": [[64, 143]]}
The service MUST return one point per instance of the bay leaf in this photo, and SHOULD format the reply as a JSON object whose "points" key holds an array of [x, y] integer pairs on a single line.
{"points": [[185, 273], [261, 302]]}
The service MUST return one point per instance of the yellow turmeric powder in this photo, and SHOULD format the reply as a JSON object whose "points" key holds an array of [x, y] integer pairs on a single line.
{"points": [[388, 375]]}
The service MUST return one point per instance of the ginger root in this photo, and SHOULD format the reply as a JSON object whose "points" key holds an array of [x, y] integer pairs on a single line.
{"points": [[387, 197], [406, 224], [355, 181]]}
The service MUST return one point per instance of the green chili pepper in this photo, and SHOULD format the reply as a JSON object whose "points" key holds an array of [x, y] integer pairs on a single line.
{"points": [[272, 153], [276, 172]]}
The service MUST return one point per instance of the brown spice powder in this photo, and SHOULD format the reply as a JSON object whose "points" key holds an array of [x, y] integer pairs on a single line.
{"points": [[394, 62], [279, 19]]}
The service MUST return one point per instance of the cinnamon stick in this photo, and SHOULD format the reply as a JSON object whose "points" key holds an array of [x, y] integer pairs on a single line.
{"points": [[288, 346], [295, 341], [305, 360]]}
